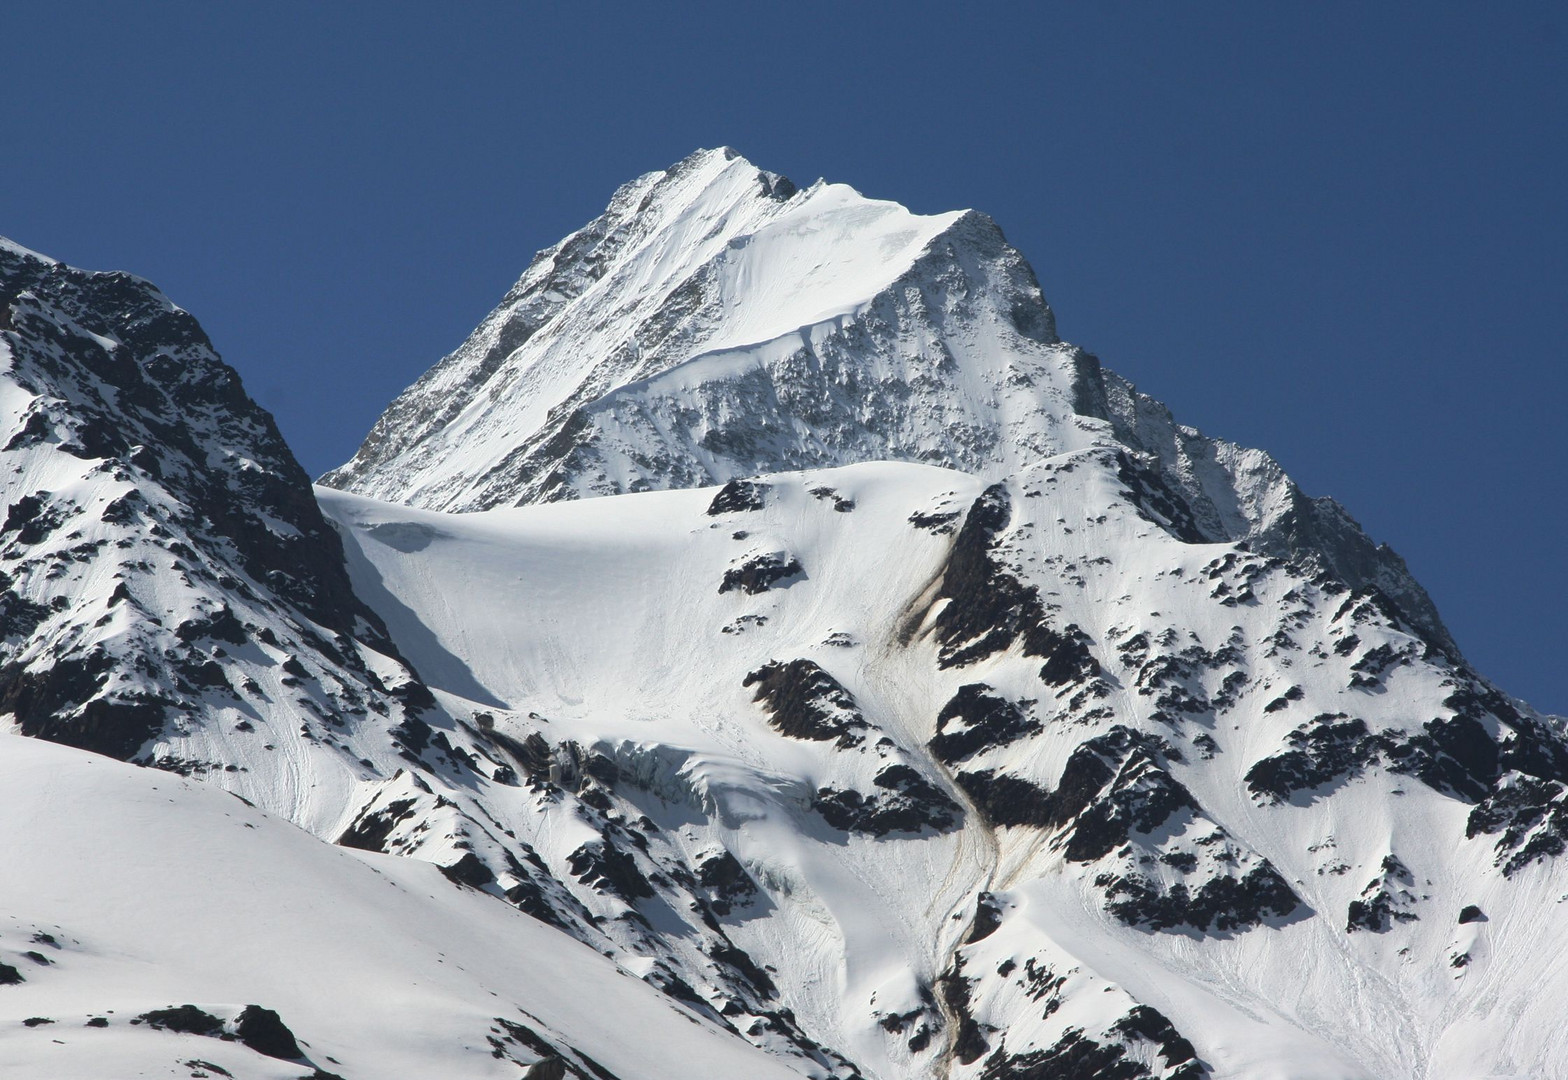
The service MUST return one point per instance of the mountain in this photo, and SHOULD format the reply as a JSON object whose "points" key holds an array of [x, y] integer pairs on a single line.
{"points": [[765, 598]]}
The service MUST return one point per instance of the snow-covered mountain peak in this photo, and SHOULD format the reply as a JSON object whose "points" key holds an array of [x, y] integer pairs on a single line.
{"points": [[658, 347], [715, 323]]}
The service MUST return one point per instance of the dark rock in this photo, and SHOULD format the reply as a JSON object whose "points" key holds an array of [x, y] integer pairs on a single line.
{"points": [[1471, 913], [727, 954], [19, 616], [1385, 901], [31, 519], [264, 1032], [1293, 694], [1151, 1025], [221, 625], [1329, 749], [60, 703], [1007, 800], [470, 870], [1073, 1057], [760, 573], [738, 496], [1114, 784], [1532, 816], [840, 503], [550, 1068], [988, 917], [606, 868], [726, 880], [1116, 791], [1454, 756], [936, 523], [413, 734], [1221, 904], [777, 188], [987, 608], [199, 1068], [182, 1018], [1534, 750], [969, 1042], [805, 702], [906, 803], [987, 721], [1157, 501], [9, 976], [1067, 654], [1076, 1056], [369, 831]]}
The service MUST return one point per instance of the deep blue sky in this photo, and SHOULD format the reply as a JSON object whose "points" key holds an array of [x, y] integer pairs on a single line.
{"points": [[1337, 233]]}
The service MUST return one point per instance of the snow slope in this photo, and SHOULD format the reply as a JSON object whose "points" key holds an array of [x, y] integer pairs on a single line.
{"points": [[139, 891], [1209, 870]]}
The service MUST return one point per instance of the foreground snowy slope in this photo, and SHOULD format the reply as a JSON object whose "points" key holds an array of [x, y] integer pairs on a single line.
{"points": [[1122, 801], [128, 892]]}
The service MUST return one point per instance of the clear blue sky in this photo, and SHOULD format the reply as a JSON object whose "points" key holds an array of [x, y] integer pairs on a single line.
{"points": [[1336, 231]]}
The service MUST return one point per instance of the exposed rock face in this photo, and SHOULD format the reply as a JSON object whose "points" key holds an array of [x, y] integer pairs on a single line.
{"points": [[156, 527], [117, 375], [1229, 492], [805, 702]]}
